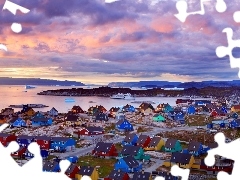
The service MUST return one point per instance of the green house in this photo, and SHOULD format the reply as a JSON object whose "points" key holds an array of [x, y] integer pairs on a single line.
{"points": [[136, 151], [158, 118], [172, 145]]}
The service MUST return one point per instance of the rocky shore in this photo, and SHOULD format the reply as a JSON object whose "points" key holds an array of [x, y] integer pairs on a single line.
{"points": [[108, 91]]}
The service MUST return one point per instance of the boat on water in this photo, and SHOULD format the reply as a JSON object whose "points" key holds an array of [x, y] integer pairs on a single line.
{"points": [[127, 96], [91, 102], [69, 100], [29, 87], [29, 105], [139, 102]]}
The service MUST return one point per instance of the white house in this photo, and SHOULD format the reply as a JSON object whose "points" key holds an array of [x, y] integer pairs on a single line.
{"points": [[53, 112]]}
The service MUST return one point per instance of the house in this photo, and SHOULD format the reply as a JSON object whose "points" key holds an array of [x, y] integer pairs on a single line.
{"points": [[191, 110], [5, 138], [158, 118], [20, 153], [76, 110], [195, 148], [143, 141], [38, 115], [49, 166], [53, 112], [156, 144], [146, 108], [28, 111], [142, 176], [62, 144], [7, 111], [93, 110], [29, 155], [128, 108], [43, 141], [160, 107], [183, 160], [124, 125], [3, 119], [87, 171], [117, 175], [128, 164], [130, 139], [233, 115], [172, 145], [234, 123], [37, 121], [135, 151], [114, 111], [24, 140], [176, 115], [101, 117], [72, 170], [164, 174], [17, 122], [202, 102], [105, 150], [235, 108], [90, 132], [72, 120]]}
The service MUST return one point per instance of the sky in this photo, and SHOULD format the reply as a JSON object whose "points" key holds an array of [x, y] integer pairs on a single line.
{"points": [[129, 40]]}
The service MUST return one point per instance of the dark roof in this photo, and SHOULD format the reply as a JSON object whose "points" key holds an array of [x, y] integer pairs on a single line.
{"points": [[60, 139], [155, 140], [103, 147], [71, 118], [86, 170], [141, 175], [25, 137], [167, 175], [40, 119], [129, 137], [170, 143], [130, 150], [194, 146], [94, 129], [102, 117], [46, 138], [213, 145], [131, 161], [142, 139], [182, 158], [54, 109], [115, 175], [71, 168], [4, 135]]}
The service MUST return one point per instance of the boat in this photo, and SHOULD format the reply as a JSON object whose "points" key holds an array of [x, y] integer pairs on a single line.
{"points": [[91, 102], [29, 87], [140, 102], [69, 100], [29, 105], [127, 96]]}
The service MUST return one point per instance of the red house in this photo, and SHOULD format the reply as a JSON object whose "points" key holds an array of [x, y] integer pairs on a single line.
{"points": [[105, 150], [19, 153], [143, 141], [43, 141], [89, 132], [7, 138], [77, 110], [117, 174], [226, 165], [72, 171]]}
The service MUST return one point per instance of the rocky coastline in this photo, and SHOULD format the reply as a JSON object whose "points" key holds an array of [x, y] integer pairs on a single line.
{"points": [[108, 91]]}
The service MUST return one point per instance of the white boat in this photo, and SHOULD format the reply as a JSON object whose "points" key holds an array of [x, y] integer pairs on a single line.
{"points": [[69, 100], [127, 96], [29, 87]]}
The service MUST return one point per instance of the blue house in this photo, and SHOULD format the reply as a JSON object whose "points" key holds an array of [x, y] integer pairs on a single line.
{"points": [[124, 125], [167, 108], [191, 110], [62, 144], [38, 115], [210, 126], [176, 115], [202, 102], [17, 122], [41, 121], [51, 167], [24, 140], [72, 159], [224, 110], [130, 139], [128, 165], [195, 148], [234, 115], [29, 155], [128, 108], [234, 123]]}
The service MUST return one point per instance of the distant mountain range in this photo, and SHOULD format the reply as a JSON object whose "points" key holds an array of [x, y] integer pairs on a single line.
{"points": [[166, 84], [37, 81]]}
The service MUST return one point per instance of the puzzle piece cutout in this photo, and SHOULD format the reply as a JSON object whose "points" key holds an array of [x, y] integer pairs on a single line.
{"points": [[236, 16], [111, 1], [222, 51], [12, 7], [227, 150], [177, 171], [182, 8]]}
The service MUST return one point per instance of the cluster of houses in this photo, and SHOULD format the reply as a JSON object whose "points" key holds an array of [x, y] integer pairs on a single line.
{"points": [[47, 144]]}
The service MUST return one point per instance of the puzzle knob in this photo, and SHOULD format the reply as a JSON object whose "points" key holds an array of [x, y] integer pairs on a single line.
{"points": [[221, 6], [221, 51]]}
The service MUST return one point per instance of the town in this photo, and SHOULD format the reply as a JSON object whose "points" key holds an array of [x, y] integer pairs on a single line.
{"points": [[126, 143]]}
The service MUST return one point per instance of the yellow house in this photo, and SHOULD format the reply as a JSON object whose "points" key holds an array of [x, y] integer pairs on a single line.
{"points": [[156, 144], [72, 120], [235, 108], [183, 160], [87, 171], [29, 112]]}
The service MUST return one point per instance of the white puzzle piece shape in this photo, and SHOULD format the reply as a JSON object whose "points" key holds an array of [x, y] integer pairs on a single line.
{"points": [[177, 171]]}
